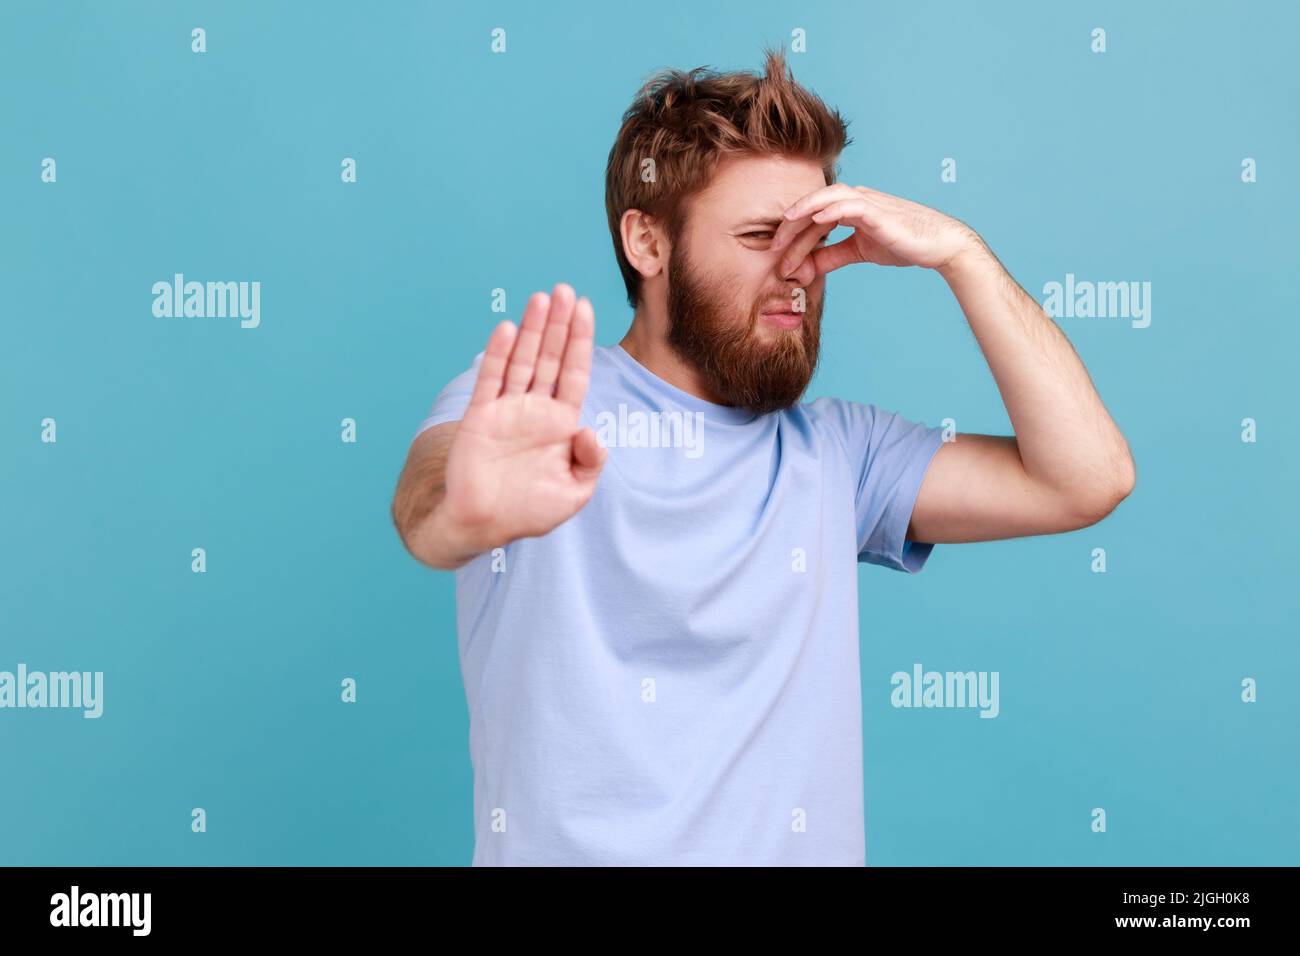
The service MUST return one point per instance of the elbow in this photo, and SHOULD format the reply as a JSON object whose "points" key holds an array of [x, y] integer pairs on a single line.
{"points": [[1107, 493], [405, 523], [398, 515]]}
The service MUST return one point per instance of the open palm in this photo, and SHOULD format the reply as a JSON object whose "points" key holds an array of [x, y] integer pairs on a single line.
{"points": [[519, 465]]}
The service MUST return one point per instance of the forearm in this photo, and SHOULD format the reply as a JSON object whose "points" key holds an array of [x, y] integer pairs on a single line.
{"points": [[418, 508], [1067, 440]]}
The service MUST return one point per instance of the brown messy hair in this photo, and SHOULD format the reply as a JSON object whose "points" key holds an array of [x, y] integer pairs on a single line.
{"points": [[687, 122]]}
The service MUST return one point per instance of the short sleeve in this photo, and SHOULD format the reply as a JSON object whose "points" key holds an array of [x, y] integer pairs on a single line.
{"points": [[888, 458], [451, 402]]}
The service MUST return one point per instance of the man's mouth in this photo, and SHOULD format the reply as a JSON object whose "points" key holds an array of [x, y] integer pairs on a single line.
{"points": [[784, 319]]}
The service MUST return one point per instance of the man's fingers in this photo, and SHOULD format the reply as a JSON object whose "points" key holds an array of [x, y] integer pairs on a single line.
{"points": [[789, 229], [492, 369], [557, 333], [803, 244], [588, 455], [800, 213], [857, 210], [520, 370], [554, 340], [833, 257], [576, 367]]}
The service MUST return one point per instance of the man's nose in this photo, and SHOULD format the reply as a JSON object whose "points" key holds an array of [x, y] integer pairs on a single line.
{"points": [[802, 274]]}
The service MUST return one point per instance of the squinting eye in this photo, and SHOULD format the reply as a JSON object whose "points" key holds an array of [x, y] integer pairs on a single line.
{"points": [[762, 234]]}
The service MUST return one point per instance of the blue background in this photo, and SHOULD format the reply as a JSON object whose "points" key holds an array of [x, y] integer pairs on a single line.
{"points": [[476, 171]]}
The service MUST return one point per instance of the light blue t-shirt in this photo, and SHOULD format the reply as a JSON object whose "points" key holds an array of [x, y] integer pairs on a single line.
{"points": [[671, 677]]}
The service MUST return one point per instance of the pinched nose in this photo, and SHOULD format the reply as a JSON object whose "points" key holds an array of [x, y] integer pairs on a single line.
{"points": [[803, 273]]}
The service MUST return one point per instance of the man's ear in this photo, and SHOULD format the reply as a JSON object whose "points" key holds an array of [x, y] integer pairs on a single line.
{"points": [[645, 243]]}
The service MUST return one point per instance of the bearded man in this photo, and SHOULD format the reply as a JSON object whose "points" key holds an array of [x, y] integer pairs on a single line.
{"points": [[658, 622]]}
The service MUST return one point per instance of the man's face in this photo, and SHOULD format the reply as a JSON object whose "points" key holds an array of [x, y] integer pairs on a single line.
{"points": [[731, 313]]}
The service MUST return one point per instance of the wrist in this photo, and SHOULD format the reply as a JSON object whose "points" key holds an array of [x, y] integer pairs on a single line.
{"points": [[974, 258], [450, 542]]}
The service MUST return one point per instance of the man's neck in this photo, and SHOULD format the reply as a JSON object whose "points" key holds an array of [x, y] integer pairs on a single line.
{"points": [[647, 342]]}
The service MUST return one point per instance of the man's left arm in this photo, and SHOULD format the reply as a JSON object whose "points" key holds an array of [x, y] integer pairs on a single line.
{"points": [[1068, 465]]}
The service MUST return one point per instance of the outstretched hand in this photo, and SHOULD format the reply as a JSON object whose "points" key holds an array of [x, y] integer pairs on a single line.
{"points": [[519, 465]]}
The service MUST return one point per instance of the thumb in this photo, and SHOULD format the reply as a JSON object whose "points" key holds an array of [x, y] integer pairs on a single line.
{"points": [[588, 455]]}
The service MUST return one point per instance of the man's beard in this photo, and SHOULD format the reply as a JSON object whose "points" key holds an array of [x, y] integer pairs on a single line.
{"points": [[737, 365]]}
